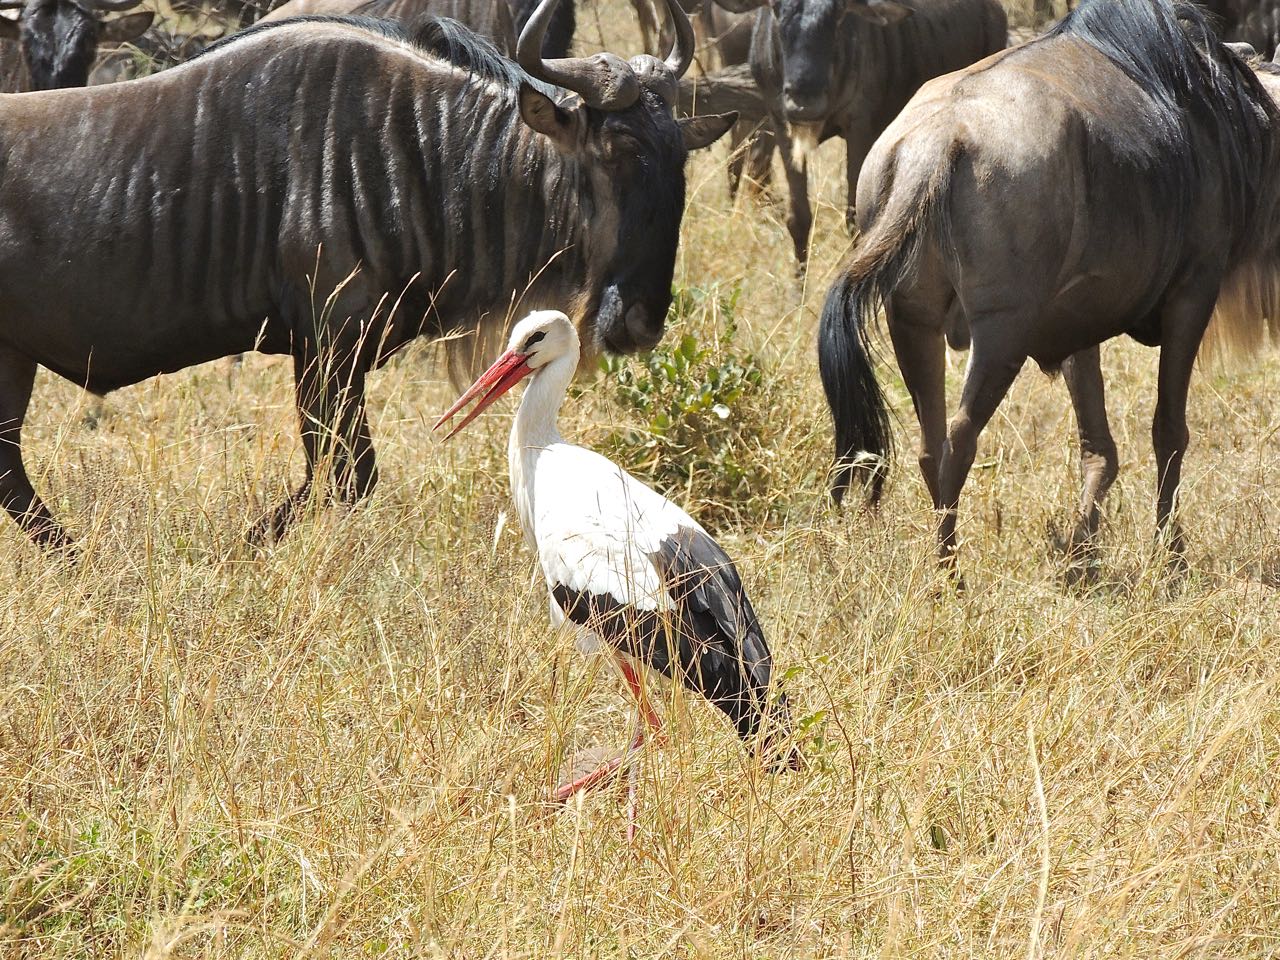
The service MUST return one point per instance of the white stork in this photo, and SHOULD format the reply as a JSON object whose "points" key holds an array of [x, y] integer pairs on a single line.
{"points": [[636, 574]]}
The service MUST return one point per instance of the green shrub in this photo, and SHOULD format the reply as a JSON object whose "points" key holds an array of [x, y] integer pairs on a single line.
{"points": [[696, 428]]}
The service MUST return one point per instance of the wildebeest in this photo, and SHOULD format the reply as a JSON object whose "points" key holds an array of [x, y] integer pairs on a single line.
{"points": [[725, 38], [163, 46], [1116, 176], [495, 20], [844, 68], [331, 189], [559, 36], [728, 32], [499, 21], [1255, 22], [490, 19], [59, 38]]}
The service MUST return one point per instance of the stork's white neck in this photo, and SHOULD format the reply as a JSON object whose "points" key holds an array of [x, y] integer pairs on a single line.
{"points": [[535, 430], [535, 424]]}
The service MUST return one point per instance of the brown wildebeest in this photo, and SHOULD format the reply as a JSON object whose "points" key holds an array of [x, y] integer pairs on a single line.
{"points": [[844, 68], [59, 38], [330, 190], [1116, 176]]}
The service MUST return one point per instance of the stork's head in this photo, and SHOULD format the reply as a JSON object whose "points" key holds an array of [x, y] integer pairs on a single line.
{"points": [[540, 339], [544, 336]]}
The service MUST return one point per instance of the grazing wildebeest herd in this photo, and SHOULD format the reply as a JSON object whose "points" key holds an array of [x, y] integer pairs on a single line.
{"points": [[344, 177]]}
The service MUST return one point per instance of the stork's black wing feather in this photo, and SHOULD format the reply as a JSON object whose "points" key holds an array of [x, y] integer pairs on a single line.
{"points": [[711, 640]]}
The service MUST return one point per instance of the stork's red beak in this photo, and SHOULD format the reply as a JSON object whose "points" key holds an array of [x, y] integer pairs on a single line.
{"points": [[508, 370]]}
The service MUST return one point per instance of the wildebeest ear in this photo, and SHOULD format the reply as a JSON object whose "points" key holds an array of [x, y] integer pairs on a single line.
{"points": [[8, 29], [880, 12], [542, 114], [124, 29], [699, 132]]}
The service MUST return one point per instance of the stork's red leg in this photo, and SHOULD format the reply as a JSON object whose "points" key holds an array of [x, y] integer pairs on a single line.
{"points": [[648, 718], [647, 713]]}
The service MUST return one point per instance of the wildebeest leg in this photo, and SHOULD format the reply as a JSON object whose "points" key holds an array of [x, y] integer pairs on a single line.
{"points": [[760, 157], [751, 153], [1099, 462], [920, 349], [992, 368], [335, 433], [17, 374], [857, 146], [1184, 321], [799, 216], [739, 137]]}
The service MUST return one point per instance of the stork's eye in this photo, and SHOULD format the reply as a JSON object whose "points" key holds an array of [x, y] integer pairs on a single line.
{"points": [[533, 339]]}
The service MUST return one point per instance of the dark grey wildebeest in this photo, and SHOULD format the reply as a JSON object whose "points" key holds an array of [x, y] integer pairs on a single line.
{"points": [[728, 29], [1255, 22], [330, 190], [59, 38], [1120, 175], [560, 29], [497, 21], [490, 19], [724, 41], [844, 68]]}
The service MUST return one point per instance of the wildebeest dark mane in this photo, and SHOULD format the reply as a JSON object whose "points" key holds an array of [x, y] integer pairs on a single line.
{"points": [[439, 37], [449, 40], [1170, 51]]}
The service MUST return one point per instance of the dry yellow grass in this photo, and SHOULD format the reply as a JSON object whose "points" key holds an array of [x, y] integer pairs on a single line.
{"points": [[341, 748]]}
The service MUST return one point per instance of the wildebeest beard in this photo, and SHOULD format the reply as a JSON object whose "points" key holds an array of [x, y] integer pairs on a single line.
{"points": [[276, 209]]}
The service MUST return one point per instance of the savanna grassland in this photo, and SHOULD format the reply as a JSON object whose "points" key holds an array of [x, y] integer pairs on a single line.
{"points": [[342, 746]]}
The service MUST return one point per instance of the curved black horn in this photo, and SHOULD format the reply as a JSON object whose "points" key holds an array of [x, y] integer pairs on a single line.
{"points": [[604, 81], [681, 55], [12, 4]]}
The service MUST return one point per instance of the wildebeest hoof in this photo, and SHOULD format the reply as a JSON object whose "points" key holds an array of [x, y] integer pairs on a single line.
{"points": [[952, 569], [265, 532], [1081, 571], [62, 551], [1058, 542], [1177, 569]]}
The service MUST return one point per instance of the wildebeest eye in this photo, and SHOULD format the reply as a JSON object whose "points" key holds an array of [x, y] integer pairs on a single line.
{"points": [[618, 145], [534, 338]]}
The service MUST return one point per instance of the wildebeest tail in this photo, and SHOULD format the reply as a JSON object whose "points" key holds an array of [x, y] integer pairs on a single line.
{"points": [[881, 259]]}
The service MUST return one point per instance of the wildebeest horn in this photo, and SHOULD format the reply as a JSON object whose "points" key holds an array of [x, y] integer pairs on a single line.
{"points": [[604, 81], [681, 55], [663, 76], [12, 4], [108, 6]]}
